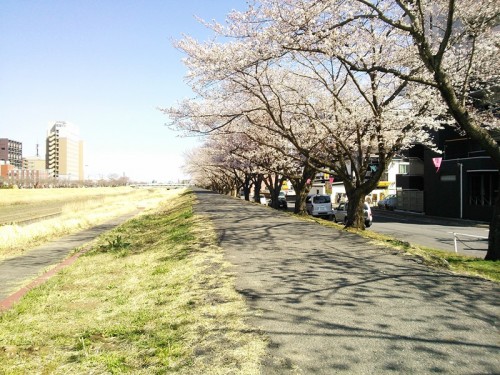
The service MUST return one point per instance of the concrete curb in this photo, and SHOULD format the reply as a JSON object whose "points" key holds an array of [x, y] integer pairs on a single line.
{"points": [[8, 302]]}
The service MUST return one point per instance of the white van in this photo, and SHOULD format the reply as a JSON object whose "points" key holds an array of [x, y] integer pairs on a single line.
{"points": [[319, 205]]}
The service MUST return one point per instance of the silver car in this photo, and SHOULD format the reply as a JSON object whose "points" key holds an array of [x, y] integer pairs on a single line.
{"points": [[391, 203], [381, 203], [340, 214], [388, 202], [319, 205]]}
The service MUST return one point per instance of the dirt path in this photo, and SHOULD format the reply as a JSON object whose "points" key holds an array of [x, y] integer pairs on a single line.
{"points": [[332, 303]]}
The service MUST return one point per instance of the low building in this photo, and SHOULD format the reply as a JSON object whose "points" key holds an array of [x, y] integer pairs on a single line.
{"points": [[28, 178], [5, 169], [386, 186], [410, 180], [34, 163]]}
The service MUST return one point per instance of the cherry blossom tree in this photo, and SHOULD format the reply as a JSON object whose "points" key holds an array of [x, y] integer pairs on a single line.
{"points": [[264, 157], [265, 162], [207, 170], [447, 46], [336, 118], [348, 83]]}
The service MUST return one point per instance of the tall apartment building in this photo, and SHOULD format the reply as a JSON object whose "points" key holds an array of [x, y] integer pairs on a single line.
{"points": [[64, 151], [11, 152]]}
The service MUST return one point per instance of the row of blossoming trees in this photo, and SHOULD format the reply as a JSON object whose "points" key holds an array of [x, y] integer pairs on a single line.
{"points": [[291, 87]]}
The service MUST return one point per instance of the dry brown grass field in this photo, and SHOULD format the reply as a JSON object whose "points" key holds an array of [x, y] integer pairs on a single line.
{"points": [[13, 197]]}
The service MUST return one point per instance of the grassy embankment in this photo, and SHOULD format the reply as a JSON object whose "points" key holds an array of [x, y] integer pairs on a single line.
{"points": [[81, 209], [152, 296]]}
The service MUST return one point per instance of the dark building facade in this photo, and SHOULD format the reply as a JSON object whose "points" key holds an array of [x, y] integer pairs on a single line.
{"points": [[11, 152], [462, 182]]}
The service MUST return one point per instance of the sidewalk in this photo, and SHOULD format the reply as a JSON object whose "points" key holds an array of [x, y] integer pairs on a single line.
{"points": [[17, 272], [332, 303]]}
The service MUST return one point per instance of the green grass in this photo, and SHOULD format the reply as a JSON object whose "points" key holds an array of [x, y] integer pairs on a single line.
{"points": [[465, 265], [152, 296]]}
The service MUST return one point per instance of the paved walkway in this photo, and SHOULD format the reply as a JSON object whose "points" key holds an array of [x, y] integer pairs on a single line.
{"points": [[332, 303], [17, 272]]}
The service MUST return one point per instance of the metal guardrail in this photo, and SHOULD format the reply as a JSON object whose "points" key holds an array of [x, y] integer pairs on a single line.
{"points": [[175, 186], [466, 235], [29, 220]]}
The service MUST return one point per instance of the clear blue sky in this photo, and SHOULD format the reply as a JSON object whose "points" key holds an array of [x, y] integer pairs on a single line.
{"points": [[105, 66]]}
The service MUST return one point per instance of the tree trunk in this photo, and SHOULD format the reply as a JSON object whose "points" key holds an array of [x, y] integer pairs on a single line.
{"points": [[355, 211], [247, 185], [275, 192], [302, 189], [474, 130], [300, 199], [257, 185], [274, 184], [481, 136], [494, 236]]}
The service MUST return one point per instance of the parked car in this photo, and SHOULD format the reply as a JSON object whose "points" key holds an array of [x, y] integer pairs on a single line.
{"points": [[319, 205], [381, 203], [340, 214], [282, 203], [262, 199], [391, 203]]}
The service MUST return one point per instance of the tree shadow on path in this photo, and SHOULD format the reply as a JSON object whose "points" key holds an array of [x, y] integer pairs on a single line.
{"points": [[331, 302]]}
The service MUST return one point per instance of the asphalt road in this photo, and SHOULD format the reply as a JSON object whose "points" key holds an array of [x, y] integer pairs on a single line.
{"points": [[332, 303], [436, 233], [433, 232]]}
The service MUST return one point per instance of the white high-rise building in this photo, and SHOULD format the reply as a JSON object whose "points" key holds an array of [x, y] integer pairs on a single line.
{"points": [[64, 151]]}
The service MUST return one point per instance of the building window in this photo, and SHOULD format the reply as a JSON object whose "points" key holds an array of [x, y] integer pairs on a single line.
{"points": [[385, 175], [403, 168], [448, 178], [483, 188]]}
